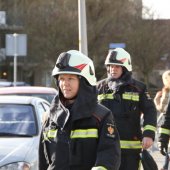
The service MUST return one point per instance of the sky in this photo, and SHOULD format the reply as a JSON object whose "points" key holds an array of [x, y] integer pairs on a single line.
{"points": [[160, 8]]}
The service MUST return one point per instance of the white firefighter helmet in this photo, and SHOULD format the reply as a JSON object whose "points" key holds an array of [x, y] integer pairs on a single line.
{"points": [[74, 62], [119, 56]]}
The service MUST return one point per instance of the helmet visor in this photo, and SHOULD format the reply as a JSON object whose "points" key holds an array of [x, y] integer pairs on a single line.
{"points": [[62, 64], [113, 59]]}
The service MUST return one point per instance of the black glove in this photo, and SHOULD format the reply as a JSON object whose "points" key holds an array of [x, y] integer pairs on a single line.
{"points": [[163, 148]]}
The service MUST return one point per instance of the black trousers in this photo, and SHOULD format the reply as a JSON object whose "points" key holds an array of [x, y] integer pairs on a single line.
{"points": [[130, 162]]}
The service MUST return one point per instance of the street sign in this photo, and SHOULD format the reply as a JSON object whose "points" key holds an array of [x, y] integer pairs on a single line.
{"points": [[16, 44], [2, 17], [117, 45]]}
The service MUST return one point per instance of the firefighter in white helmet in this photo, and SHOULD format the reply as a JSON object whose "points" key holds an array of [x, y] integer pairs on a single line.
{"points": [[128, 99], [79, 134]]}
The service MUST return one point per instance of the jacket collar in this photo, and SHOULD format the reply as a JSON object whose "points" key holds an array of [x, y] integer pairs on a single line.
{"points": [[114, 84]]}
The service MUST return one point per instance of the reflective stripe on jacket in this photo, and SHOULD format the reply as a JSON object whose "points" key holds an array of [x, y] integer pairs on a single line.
{"points": [[164, 131]]}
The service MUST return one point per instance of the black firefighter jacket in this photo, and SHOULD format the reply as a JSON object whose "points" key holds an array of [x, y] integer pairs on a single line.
{"points": [[128, 99], [80, 137]]}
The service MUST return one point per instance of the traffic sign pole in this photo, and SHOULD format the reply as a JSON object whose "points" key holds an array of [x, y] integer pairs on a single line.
{"points": [[16, 45], [15, 58]]}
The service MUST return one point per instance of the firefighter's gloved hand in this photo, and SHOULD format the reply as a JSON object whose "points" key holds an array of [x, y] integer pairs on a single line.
{"points": [[163, 147]]}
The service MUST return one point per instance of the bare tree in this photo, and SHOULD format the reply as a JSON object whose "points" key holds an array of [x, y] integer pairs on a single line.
{"points": [[52, 27], [147, 43]]}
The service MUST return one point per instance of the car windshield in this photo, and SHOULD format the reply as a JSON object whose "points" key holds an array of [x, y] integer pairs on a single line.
{"points": [[17, 119]]}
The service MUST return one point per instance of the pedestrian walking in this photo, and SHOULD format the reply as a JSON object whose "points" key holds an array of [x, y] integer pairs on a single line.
{"points": [[162, 97], [162, 102]]}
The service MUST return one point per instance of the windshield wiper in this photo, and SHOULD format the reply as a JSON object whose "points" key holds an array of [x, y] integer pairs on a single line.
{"points": [[14, 134]]}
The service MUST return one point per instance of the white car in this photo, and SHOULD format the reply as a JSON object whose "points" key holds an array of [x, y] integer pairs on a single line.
{"points": [[46, 93], [20, 128]]}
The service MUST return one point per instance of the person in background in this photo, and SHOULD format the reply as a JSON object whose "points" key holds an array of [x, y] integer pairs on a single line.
{"points": [[79, 133], [128, 99], [161, 101]]}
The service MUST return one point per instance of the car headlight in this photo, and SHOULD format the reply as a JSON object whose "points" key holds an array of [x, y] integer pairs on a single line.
{"points": [[16, 165]]}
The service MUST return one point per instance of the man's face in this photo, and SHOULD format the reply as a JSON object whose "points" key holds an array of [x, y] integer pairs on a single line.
{"points": [[69, 85], [115, 71]]}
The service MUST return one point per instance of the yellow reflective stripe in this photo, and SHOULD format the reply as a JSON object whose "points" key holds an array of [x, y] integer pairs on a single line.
{"points": [[126, 96], [150, 127], [164, 131], [99, 168], [84, 133], [52, 133], [45, 136], [135, 97], [105, 96], [130, 144], [130, 96]]}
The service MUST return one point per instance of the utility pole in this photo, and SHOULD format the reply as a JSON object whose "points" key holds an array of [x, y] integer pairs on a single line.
{"points": [[82, 27]]}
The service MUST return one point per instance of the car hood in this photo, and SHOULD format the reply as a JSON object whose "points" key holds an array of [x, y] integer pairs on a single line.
{"points": [[17, 149]]}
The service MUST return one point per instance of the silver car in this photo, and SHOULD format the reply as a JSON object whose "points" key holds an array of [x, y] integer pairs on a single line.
{"points": [[20, 128], [46, 93]]}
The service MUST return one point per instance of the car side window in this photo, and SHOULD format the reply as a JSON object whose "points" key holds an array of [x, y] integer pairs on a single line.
{"points": [[42, 108], [17, 119]]}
